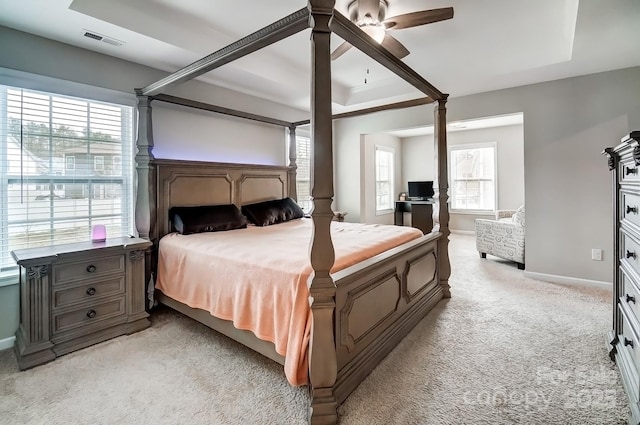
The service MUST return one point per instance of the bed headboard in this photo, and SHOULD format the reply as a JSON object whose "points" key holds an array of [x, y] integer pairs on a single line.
{"points": [[193, 183]]}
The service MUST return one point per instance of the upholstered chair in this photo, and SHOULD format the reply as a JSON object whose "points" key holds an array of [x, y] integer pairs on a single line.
{"points": [[502, 237]]}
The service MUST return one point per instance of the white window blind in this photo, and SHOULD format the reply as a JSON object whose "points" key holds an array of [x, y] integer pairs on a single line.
{"points": [[303, 174], [65, 164], [473, 177], [384, 179]]}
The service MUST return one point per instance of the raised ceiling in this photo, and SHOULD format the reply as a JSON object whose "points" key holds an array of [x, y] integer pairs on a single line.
{"points": [[488, 45]]}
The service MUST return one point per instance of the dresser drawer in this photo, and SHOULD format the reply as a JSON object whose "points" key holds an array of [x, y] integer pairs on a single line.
{"points": [[629, 342], [629, 171], [630, 252], [64, 296], [88, 268], [631, 208], [89, 315]]}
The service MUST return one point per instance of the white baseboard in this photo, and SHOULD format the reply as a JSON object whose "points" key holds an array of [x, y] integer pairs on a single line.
{"points": [[566, 280], [7, 343]]}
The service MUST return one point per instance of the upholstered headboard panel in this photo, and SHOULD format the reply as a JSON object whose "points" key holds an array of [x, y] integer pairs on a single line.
{"points": [[192, 183]]}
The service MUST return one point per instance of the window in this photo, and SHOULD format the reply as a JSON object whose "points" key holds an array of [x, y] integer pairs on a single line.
{"points": [[473, 177], [303, 177], [70, 161], [50, 141], [384, 179], [98, 163]]}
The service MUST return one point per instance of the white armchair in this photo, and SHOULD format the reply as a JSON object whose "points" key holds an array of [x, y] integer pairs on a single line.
{"points": [[502, 237]]}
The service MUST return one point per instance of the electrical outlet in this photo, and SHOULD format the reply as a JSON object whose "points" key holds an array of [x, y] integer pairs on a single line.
{"points": [[596, 254]]}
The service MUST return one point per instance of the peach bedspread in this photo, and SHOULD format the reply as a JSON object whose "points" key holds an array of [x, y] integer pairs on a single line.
{"points": [[257, 277]]}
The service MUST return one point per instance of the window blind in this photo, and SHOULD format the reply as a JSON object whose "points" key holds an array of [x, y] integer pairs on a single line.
{"points": [[303, 173], [66, 164]]}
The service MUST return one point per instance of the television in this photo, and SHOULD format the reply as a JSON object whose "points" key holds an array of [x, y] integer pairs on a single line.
{"points": [[420, 191]]}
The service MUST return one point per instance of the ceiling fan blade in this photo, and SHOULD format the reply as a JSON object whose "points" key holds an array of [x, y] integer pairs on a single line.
{"points": [[340, 50], [415, 19], [394, 46]]}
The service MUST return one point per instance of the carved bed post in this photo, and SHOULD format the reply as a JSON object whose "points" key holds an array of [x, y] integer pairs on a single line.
{"points": [[145, 214], [322, 351], [441, 210], [293, 156]]}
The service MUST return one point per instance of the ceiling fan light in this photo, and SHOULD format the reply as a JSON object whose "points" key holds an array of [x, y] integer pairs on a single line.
{"points": [[376, 32]]}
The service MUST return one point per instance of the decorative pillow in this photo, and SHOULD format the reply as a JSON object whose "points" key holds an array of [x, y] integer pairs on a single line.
{"points": [[206, 218], [272, 212], [518, 217]]}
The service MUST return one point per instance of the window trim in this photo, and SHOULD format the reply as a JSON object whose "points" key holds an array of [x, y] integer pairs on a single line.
{"points": [[392, 151], [468, 146]]}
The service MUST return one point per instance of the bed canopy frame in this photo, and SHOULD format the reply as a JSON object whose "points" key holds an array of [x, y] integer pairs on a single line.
{"points": [[319, 15]]}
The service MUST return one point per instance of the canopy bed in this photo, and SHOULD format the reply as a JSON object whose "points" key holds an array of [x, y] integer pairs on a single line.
{"points": [[358, 310]]}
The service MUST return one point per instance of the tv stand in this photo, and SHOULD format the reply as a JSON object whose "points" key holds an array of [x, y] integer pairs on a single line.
{"points": [[421, 214]]}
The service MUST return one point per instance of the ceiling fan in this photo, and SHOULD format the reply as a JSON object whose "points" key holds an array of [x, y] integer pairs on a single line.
{"points": [[370, 16]]}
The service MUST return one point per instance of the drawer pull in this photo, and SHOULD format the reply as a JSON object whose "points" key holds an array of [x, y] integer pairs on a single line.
{"points": [[627, 341], [631, 254], [631, 298], [92, 291], [92, 313], [631, 209], [630, 170], [91, 268]]}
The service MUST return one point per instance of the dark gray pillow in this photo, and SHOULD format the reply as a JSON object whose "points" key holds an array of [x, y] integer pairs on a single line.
{"points": [[206, 218], [272, 212]]}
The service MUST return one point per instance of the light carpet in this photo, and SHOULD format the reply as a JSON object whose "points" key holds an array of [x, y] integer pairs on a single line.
{"points": [[504, 349]]}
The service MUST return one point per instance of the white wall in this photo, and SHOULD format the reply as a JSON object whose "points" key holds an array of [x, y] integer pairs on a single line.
{"points": [[510, 149], [567, 123], [368, 175], [185, 133]]}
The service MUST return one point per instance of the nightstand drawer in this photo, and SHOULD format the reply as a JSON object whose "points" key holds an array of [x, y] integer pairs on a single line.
{"points": [[88, 315], [88, 268], [87, 291]]}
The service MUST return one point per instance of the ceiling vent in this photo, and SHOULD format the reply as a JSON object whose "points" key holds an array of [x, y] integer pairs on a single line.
{"points": [[102, 38]]}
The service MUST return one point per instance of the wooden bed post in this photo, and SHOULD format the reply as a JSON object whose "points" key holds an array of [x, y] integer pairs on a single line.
{"points": [[322, 349], [145, 214], [441, 210], [293, 166]]}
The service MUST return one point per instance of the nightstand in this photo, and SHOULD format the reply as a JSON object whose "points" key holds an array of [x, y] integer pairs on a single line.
{"points": [[78, 294]]}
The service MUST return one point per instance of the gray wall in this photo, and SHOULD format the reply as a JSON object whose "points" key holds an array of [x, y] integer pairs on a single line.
{"points": [[218, 139], [567, 123], [510, 148]]}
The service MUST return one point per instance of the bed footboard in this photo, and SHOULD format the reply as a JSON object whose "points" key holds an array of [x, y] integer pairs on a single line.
{"points": [[377, 303]]}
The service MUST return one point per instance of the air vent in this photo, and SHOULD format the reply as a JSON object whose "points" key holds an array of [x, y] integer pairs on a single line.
{"points": [[102, 38]]}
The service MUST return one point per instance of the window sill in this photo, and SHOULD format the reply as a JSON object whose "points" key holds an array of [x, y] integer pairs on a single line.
{"points": [[384, 212], [9, 278]]}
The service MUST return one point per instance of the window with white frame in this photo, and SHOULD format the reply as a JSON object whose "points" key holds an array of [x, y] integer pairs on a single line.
{"points": [[303, 177], [51, 141], [98, 163], [473, 171], [384, 179]]}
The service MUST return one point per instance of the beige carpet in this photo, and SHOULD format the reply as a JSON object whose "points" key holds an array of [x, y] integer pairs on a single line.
{"points": [[504, 350]]}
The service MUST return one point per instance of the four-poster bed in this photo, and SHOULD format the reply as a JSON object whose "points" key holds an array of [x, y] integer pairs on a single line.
{"points": [[358, 314]]}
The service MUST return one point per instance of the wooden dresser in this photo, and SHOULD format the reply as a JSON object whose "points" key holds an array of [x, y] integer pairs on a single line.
{"points": [[76, 295], [624, 338]]}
